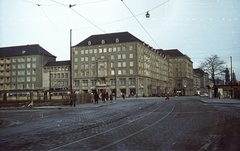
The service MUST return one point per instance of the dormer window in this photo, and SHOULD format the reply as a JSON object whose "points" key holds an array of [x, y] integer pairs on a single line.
{"points": [[103, 41], [117, 40], [89, 43]]}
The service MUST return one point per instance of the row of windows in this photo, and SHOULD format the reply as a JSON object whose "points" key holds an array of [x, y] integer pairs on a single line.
{"points": [[93, 65], [23, 72], [24, 59], [23, 79], [121, 82], [23, 65], [113, 57], [58, 84], [23, 86], [93, 73], [63, 68], [104, 50], [59, 75]]}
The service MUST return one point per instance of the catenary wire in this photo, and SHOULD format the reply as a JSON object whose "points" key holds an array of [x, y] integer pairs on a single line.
{"points": [[140, 24]]}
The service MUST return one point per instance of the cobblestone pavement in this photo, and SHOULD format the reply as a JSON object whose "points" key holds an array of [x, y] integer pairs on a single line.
{"points": [[183, 123]]}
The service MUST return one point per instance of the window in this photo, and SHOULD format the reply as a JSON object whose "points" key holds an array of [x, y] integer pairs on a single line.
{"points": [[82, 59], [28, 59], [93, 82], [119, 72], [34, 58], [122, 81], [123, 71], [75, 52], [131, 63], [86, 51], [86, 58], [104, 50], [66, 75], [130, 55], [119, 64], [33, 78], [131, 47], [14, 60], [123, 64], [110, 49], [76, 60], [34, 65], [75, 67], [119, 48], [112, 57], [75, 74], [123, 56], [85, 83], [100, 50], [123, 48], [114, 49], [132, 81], [93, 59], [82, 52], [76, 83], [119, 56], [14, 66], [131, 71], [112, 72], [112, 81]]}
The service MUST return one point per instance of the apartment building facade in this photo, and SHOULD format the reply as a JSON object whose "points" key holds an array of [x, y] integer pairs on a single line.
{"points": [[56, 75], [118, 63], [21, 67], [180, 72], [201, 81]]}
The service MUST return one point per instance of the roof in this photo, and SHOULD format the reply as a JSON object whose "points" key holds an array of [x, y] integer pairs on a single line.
{"points": [[34, 49], [59, 63], [173, 53], [108, 39]]}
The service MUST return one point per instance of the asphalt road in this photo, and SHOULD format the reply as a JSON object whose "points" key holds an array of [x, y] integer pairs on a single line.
{"points": [[183, 123]]}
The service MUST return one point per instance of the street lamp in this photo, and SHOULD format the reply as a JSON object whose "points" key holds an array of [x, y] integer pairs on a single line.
{"points": [[147, 15]]}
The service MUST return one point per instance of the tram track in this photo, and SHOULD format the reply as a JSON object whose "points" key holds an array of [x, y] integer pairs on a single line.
{"points": [[117, 126]]}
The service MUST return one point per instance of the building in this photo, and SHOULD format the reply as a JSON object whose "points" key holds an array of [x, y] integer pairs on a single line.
{"points": [[181, 72], [118, 63], [56, 75], [21, 67], [201, 81]]}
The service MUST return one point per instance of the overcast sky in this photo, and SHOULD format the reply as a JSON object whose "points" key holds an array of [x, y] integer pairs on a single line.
{"points": [[198, 28]]}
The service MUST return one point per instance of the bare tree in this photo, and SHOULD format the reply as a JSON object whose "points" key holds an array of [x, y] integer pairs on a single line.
{"points": [[214, 66]]}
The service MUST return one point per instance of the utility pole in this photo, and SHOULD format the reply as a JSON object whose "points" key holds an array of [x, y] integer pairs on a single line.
{"points": [[231, 77], [70, 62]]}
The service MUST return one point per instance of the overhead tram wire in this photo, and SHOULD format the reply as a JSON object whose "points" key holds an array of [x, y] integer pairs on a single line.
{"points": [[70, 6], [140, 24]]}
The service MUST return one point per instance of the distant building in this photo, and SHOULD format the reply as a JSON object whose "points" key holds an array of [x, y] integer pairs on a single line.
{"points": [[201, 81], [56, 75], [21, 67], [181, 72]]}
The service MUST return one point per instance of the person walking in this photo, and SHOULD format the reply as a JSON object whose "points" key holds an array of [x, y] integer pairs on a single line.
{"points": [[167, 97], [107, 96], [96, 97]]}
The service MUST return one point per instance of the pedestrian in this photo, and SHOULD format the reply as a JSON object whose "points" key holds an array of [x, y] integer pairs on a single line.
{"points": [[123, 95], [96, 97], [111, 97], [92, 97], [107, 96], [103, 96], [167, 97], [73, 99]]}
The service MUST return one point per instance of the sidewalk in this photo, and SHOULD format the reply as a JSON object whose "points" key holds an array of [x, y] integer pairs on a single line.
{"points": [[220, 101]]}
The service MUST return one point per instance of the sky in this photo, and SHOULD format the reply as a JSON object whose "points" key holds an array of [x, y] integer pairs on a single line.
{"points": [[198, 28]]}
